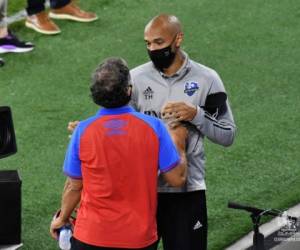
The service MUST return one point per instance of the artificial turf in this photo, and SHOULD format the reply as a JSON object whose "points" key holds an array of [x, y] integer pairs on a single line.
{"points": [[254, 45]]}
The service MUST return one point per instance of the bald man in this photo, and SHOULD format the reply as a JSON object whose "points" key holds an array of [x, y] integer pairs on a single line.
{"points": [[183, 93]]}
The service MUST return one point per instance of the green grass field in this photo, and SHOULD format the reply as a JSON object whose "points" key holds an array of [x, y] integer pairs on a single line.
{"points": [[254, 45]]}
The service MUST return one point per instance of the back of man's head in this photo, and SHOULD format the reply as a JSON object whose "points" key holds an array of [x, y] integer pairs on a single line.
{"points": [[110, 83]]}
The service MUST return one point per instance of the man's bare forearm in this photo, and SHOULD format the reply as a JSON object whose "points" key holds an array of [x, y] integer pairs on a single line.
{"points": [[70, 198], [177, 176], [183, 166]]}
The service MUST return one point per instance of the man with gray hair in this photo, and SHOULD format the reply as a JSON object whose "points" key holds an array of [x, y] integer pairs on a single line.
{"points": [[112, 164], [183, 93]]}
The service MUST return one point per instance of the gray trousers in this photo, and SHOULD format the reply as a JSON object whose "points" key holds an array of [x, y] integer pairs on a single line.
{"points": [[3, 9]]}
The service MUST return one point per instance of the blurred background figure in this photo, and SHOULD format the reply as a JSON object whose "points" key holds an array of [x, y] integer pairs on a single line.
{"points": [[39, 20], [8, 41]]}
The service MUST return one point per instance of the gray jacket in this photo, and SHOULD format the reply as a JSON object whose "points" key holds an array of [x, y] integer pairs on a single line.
{"points": [[192, 83]]}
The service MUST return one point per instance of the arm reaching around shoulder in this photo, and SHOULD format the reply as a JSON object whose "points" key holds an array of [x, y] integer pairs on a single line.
{"points": [[177, 176], [70, 199], [72, 125]]}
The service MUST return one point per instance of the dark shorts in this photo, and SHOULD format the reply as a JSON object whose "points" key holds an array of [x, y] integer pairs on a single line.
{"points": [[182, 220], [78, 245]]}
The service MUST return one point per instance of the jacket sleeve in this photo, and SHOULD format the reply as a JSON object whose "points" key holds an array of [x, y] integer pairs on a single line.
{"points": [[218, 127]]}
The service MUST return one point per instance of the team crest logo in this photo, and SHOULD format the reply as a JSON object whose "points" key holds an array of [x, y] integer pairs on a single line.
{"points": [[115, 124], [190, 88], [148, 93], [115, 127]]}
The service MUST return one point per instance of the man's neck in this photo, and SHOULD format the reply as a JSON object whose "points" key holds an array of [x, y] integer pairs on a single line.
{"points": [[176, 65]]}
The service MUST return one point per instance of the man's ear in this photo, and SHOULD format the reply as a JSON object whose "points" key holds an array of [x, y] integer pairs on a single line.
{"points": [[179, 39], [129, 90]]}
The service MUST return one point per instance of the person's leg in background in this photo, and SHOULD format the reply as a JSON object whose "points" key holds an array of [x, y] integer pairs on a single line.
{"points": [[3, 25], [39, 20], [2, 31], [57, 4], [8, 41], [182, 220], [35, 6]]}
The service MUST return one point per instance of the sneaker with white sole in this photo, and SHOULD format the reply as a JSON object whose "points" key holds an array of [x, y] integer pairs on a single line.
{"points": [[11, 43]]}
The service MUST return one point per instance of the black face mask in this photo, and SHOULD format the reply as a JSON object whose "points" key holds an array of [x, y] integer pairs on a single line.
{"points": [[162, 58]]}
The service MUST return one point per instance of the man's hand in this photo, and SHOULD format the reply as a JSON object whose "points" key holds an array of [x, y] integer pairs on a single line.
{"points": [[72, 125], [70, 199], [56, 224], [179, 111]]}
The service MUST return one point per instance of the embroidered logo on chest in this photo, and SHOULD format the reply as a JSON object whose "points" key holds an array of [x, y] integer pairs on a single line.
{"points": [[148, 93], [190, 88]]}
